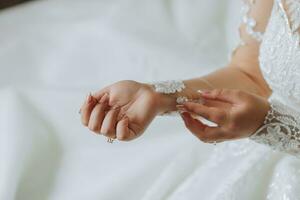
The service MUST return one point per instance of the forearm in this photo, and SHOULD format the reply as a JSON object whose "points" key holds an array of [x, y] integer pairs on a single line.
{"points": [[230, 77]]}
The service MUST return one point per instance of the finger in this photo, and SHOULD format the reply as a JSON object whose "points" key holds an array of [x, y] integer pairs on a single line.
{"points": [[87, 108], [98, 115], [124, 133], [203, 132], [214, 134], [227, 95], [99, 94], [191, 123], [217, 104], [195, 126], [213, 114], [108, 127]]}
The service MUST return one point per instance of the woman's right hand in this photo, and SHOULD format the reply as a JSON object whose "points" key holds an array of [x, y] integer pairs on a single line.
{"points": [[122, 110]]}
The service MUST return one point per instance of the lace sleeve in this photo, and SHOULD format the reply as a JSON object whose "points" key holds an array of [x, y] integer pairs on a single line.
{"points": [[249, 23], [254, 19], [281, 129]]}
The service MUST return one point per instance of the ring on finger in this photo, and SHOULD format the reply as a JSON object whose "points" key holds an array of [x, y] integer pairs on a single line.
{"points": [[110, 140]]}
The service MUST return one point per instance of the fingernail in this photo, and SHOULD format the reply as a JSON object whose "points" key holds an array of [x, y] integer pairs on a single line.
{"points": [[103, 98], [126, 120], [79, 111], [89, 98]]}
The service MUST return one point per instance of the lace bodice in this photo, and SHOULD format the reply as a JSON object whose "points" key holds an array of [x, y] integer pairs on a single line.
{"points": [[279, 60], [277, 42], [280, 51]]}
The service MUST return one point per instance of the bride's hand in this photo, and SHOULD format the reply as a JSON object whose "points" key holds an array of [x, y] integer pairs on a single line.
{"points": [[122, 110], [242, 116]]}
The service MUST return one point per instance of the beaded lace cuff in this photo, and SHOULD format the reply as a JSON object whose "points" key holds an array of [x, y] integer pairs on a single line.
{"points": [[169, 87], [173, 87], [281, 129]]}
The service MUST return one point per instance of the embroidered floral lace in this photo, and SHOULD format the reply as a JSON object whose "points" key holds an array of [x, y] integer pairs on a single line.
{"points": [[279, 61], [172, 87], [281, 129]]}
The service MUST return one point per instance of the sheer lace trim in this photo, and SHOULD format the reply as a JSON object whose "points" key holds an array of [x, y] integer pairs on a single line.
{"points": [[173, 87], [281, 129], [280, 50], [293, 11], [169, 87], [250, 25], [249, 21]]}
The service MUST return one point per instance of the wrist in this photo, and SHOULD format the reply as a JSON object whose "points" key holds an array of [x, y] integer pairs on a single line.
{"points": [[170, 93], [164, 102]]}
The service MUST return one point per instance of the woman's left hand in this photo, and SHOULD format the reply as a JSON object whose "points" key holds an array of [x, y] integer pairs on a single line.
{"points": [[238, 114]]}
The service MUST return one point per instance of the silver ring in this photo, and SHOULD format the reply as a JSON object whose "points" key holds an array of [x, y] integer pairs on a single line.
{"points": [[110, 140]]}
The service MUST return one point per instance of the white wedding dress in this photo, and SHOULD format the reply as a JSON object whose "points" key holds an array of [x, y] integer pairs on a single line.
{"points": [[245, 169], [45, 153]]}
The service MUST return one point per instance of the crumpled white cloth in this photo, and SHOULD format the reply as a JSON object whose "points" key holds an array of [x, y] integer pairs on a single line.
{"points": [[47, 154]]}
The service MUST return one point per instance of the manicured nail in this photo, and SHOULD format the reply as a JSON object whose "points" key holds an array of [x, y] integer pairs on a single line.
{"points": [[89, 98], [103, 98], [126, 120]]}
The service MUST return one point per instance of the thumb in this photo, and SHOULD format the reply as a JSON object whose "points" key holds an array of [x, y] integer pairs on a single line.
{"points": [[123, 131]]}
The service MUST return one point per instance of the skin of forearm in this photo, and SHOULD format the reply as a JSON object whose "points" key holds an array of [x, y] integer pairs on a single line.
{"points": [[229, 77]]}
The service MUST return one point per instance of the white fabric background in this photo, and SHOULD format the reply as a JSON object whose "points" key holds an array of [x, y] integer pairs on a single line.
{"points": [[53, 52]]}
